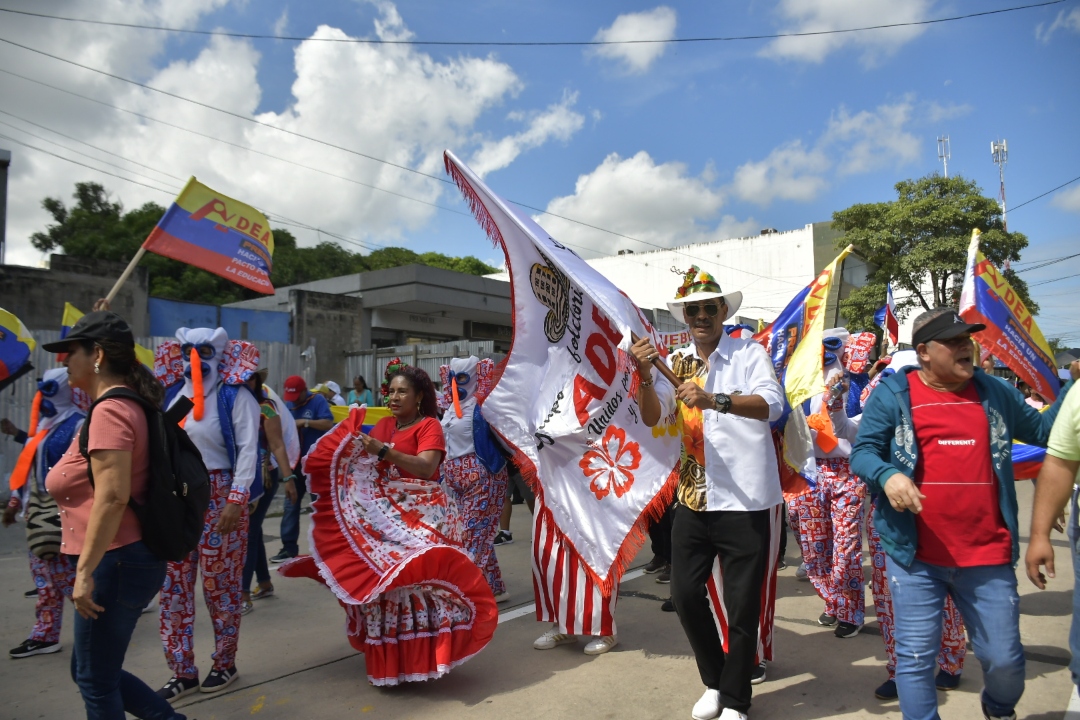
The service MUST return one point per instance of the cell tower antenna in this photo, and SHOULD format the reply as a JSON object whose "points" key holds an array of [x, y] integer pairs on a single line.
{"points": [[999, 150], [943, 153]]}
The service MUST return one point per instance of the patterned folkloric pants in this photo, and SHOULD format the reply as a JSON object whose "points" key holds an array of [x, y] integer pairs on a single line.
{"points": [[953, 643], [220, 558], [480, 495], [831, 539], [565, 592], [53, 579]]}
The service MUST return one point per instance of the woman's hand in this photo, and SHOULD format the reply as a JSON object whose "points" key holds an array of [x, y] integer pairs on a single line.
{"points": [[370, 444], [82, 595], [229, 518], [9, 515], [644, 353]]}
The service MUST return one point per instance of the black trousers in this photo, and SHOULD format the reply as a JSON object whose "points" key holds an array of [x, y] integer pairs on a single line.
{"points": [[660, 534], [741, 540]]}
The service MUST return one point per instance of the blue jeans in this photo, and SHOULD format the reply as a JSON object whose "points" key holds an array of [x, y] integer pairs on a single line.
{"points": [[988, 600], [1074, 548], [290, 519], [125, 581], [255, 563]]}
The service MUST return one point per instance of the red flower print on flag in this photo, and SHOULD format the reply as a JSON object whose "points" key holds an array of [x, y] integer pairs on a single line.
{"points": [[609, 467]]}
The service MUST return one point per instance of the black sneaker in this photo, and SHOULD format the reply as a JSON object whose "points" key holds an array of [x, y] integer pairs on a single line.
{"points": [[947, 681], [847, 630], [664, 576], [655, 565], [668, 606], [886, 691], [504, 537], [34, 647], [178, 687], [30, 593], [218, 680], [782, 565], [282, 556], [758, 675], [826, 620]]}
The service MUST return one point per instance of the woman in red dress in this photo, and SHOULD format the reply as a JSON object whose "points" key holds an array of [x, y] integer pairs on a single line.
{"points": [[387, 540]]}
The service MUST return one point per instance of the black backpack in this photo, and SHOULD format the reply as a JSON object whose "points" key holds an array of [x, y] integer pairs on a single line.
{"points": [[178, 484]]}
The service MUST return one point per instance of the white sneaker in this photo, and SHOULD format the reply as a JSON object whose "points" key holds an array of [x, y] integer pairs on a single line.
{"points": [[553, 638], [730, 714], [708, 707], [601, 645], [502, 597], [800, 572]]}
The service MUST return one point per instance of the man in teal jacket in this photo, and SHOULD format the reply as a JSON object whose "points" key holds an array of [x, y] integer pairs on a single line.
{"points": [[937, 441]]}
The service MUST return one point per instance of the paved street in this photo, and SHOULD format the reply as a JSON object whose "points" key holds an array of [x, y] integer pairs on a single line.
{"points": [[294, 660]]}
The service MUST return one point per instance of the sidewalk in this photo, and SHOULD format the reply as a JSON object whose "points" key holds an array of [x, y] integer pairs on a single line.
{"points": [[294, 660]]}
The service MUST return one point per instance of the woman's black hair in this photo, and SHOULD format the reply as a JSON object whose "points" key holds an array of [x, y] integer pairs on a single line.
{"points": [[420, 382], [260, 394], [120, 360], [362, 381]]}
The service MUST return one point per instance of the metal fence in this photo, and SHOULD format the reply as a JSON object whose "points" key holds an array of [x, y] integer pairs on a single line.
{"points": [[372, 363], [280, 359]]}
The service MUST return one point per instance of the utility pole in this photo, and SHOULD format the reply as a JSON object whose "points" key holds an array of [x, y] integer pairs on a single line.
{"points": [[943, 153], [999, 150]]}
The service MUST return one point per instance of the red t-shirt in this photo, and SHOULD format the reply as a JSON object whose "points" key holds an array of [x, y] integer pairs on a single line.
{"points": [[413, 440], [961, 523]]}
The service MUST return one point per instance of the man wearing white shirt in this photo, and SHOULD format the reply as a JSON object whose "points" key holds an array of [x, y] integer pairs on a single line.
{"points": [[729, 488]]}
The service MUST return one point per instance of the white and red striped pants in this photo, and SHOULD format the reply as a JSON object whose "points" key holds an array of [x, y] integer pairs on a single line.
{"points": [[715, 587], [565, 593]]}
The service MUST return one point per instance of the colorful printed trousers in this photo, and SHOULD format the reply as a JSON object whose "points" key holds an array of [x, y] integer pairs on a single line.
{"points": [[953, 642], [220, 558], [480, 495], [53, 579], [831, 539]]}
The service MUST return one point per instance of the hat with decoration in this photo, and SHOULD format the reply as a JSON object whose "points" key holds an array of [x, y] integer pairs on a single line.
{"points": [[698, 286]]}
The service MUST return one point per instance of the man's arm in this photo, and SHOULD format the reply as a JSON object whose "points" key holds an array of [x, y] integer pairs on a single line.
{"points": [[765, 398], [870, 453], [1052, 491]]}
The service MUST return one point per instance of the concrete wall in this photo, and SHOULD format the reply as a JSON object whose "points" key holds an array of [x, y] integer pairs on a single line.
{"points": [[334, 325], [37, 295]]}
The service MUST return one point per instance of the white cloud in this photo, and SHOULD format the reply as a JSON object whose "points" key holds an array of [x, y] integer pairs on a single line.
{"points": [[1068, 199], [391, 101], [871, 140], [1066, 19], [281, 25], [658, 203], [655, 24], [822, 15], [936, 112], [790, 172], [558, 121]]}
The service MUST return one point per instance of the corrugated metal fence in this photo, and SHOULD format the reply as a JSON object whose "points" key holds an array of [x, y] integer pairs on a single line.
{"points": [[281, 359], [372, 363]]}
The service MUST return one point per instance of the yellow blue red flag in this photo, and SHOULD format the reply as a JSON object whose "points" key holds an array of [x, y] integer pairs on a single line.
{"points": [[72, 315], [218, 234], [1011, 333], [16, 344]]}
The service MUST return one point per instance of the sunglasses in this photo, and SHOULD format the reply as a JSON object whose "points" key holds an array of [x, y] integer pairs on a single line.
{"points": [[206, 350], [48, 388], [693, 310]]}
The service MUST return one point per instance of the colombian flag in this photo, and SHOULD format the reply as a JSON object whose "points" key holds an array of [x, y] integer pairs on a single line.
{"points": [[217, 234], [1027, 460], [16, 344], [72, 315], [1011, 333]]}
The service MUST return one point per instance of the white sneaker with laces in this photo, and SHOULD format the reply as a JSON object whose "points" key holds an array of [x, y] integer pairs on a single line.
{"points": [[601, 645], [708, 707], [553, 638], [730, 714]]}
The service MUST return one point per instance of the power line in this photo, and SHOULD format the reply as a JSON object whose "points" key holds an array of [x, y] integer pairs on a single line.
{"points": [[1047, 282], [539, 43], [1069, 182], [1047, 263]]}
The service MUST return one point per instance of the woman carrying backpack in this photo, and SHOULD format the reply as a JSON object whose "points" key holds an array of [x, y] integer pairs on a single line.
{"points": [[100, 532]]}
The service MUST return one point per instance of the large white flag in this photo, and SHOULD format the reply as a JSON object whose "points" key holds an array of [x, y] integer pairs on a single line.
{"points": [[566, 395]]}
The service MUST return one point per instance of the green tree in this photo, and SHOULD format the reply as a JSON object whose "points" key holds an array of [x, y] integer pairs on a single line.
{"points": [[96, 226], [919, 243]]}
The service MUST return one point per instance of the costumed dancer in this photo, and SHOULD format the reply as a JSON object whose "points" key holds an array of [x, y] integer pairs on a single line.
{"points": [[224, 425], [55, 417], [830, 514], [387, 540], [726, 530], [474, 469], [950, 659]]}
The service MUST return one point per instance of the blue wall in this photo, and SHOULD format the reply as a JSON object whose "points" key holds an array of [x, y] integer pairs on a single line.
{"points": [[266, 325]]}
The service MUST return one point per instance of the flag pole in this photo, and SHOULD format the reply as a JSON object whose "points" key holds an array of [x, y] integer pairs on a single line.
{"points": [[125, 275]]}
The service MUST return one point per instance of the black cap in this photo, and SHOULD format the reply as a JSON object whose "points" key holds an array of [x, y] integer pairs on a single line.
{"points": [[943, 327], [100, 325]]}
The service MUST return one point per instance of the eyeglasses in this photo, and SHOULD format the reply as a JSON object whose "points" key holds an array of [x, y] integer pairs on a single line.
{"points": [[206, 350], [48, 388], [693, 310]]}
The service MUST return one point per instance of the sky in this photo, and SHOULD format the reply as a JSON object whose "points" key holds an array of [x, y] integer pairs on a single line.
{"points": [[663, 143]]}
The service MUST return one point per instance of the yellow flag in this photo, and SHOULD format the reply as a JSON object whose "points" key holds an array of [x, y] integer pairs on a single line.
{"points": [[72, 315]]}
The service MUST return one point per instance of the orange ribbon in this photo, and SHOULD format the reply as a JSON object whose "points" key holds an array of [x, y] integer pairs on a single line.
{"points": [[26, 457], [197, 386], [454, 395], [826, 435]]}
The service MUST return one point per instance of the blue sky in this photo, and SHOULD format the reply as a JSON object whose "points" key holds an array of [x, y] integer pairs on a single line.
{"points": [[666, 143]]}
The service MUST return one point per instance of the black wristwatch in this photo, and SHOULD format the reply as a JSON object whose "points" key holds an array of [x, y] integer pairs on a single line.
{"points": [[721, 403], [382, 451]]}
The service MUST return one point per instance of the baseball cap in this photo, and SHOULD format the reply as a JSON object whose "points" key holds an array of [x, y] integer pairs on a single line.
{"points": [[944, 327], [295, 388], [99, 325]]}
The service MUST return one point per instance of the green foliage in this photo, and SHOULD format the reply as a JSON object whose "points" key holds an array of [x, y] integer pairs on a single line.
{"points": [[919, 242], [98, 227]]}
